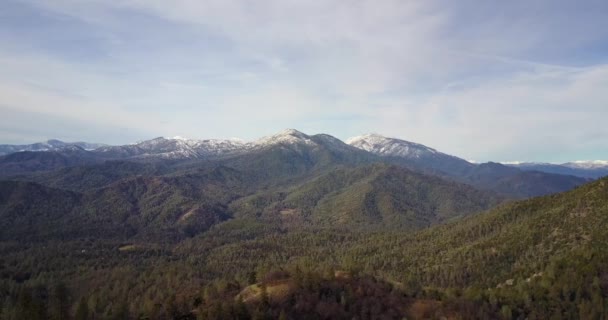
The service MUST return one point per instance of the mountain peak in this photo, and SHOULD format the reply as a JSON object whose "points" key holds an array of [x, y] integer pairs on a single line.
{"points": [[366, 137], [382, 145], [369, 135], [287, 136], [292, 132], [55, 142]]}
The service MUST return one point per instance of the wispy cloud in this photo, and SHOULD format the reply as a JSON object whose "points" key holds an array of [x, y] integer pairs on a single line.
{"points": [[486, 81]]}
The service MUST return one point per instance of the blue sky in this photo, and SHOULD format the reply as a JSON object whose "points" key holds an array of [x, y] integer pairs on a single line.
{"points": [[483, 80]]}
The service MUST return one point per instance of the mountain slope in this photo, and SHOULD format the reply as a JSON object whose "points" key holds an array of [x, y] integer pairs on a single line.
{"points": [[538, 258], [380, 195], [35, 161], [506, 180], [514, 241], [518, 183], [292, 154], [143, 206], [413, 154], [123, 200], [93, 176], [172, 148], [32, 209], [286, 157], [534, 183]]}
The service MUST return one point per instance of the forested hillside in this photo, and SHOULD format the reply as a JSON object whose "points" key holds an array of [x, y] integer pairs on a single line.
{"points": [[529, 259]]}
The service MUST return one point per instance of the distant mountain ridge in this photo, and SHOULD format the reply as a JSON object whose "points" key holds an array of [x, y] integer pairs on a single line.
{"points": [[587, 169], [49, 145], [490, 176], [291, 154], [172, 148], [184, 148]]}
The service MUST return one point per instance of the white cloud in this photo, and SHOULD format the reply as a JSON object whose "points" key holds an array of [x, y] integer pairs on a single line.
{"points": [[529, 116], [476, 79]]}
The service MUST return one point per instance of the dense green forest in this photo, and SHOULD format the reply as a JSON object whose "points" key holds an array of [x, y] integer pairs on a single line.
{"points": [[538, 258]]}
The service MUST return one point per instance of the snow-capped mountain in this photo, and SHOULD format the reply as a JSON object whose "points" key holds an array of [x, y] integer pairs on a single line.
{"points": [[393, 150], [285, 137], [295, 139], [579, 164], [173, 148], [413, 154], [184, 148], [587, 164], [381, 145], [291, 153], [49, 145]]}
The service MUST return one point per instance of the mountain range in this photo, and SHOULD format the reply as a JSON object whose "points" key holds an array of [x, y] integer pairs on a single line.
{"points": [[49, 145], [508, 180], [179, 188], [183, 148], [180, 229], [291, 176]]}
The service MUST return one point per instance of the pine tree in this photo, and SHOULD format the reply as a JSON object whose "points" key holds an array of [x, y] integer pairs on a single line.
{"points": [[251, 278], [264, 299], [240, 310], [282, 315], [82, 311]]}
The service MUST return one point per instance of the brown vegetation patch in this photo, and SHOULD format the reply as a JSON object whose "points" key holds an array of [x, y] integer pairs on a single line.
{"points": [[423, 309], [188, 214], [277, 291], [289, 212]]}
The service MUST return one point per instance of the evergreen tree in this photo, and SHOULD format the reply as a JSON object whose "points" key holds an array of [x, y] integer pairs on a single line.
{"points": [[59, 302], [82, 311]]}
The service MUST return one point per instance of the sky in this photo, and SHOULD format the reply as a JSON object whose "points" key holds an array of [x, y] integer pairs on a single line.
{"points": [[482, 80]]}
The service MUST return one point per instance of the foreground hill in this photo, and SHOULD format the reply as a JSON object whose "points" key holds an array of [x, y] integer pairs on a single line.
{"points": [[513, 241], [538, 258]]}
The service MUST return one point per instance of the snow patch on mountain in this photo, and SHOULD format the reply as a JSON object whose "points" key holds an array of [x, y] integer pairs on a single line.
{"points": [[176, 148], [579, 164], [49, 145], [587, 164], [288, 136], [381, 145]]}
